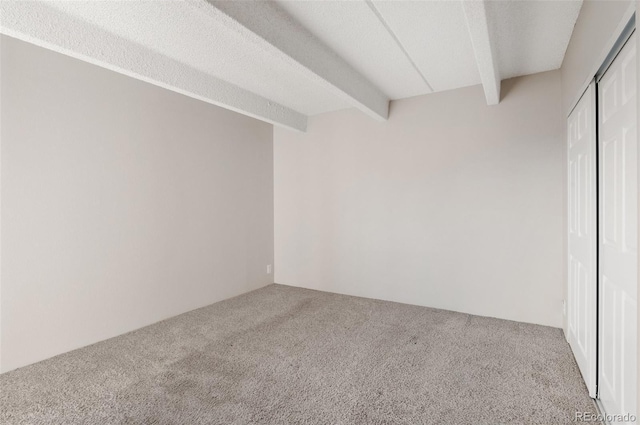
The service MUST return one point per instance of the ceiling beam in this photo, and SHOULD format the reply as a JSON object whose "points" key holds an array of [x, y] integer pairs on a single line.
{"points": [[43, 25], [273, 30], [475, 12]]}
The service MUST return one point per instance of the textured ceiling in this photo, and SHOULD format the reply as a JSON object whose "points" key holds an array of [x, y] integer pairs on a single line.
{"points": [[355, 33], [435, 35], [531, 36], [285, 60], [190, 37]]}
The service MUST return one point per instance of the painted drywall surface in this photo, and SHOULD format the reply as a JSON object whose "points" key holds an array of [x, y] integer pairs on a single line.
{"points": [[122, 203], [594, 28], [450, 204], [592, 36]]}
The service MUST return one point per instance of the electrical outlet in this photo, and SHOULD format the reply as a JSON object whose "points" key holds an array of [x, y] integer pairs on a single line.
{"points": [[268, 268]]}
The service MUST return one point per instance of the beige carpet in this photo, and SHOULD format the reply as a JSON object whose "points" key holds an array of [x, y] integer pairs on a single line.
{"points": [[283, 355]]}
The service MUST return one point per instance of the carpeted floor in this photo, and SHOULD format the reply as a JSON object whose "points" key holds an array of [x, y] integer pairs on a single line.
{"points": [[283, 355]]}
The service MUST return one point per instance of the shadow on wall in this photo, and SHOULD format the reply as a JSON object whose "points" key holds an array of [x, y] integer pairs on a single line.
{"points": [[507, 87]]}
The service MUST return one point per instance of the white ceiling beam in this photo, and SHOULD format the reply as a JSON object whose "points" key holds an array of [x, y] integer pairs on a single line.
{"points": [[272, 29], [475, 12], [43, 25]]}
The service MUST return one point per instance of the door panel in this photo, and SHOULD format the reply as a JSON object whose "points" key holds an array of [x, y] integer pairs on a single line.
{"points": [[582, 236], [608, 198], [618, 234], [630, 167]]}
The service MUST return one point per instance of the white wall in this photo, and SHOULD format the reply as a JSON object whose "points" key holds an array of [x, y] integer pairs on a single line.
{"points": [[122, 204], [449, 204], [591, 40]]}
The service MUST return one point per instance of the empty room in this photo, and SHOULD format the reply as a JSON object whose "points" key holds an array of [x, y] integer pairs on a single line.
{"points": [[319, 212]]}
